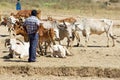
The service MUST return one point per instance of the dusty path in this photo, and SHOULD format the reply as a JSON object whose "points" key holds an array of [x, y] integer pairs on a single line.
{"points": [[23, 77], [94, 61]]}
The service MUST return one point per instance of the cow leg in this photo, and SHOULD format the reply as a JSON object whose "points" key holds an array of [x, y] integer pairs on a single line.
{"points": [[45, 48], [86, 42], [78, 38], [40, 47], [86, 39], [73, 38], [113, 39], [107, 39], [59, 42], [113, 42], [73, 35], [68, 42]]}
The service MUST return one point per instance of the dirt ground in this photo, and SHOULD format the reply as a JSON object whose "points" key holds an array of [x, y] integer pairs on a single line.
{"points": [[14, 77], [96, 62]]}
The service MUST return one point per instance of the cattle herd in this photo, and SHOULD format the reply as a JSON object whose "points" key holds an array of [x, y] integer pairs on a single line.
{"points": [[52, 32]]}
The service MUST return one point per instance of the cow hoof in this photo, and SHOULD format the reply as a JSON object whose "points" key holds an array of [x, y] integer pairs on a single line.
{"points": [[69, 54], [107, 45], [10, 55], [113, 45], [38, 55], [42, 54], [77, 45]]}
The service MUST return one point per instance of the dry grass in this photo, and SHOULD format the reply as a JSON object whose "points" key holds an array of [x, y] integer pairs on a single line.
{"points": [[82, 8]]}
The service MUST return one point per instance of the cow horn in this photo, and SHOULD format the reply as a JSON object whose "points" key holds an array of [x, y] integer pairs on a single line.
{"points": [[20, 41], [64, 24]]}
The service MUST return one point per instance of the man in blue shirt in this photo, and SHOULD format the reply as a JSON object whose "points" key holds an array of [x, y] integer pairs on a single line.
{"points": [[18, 5], [31, 25]]}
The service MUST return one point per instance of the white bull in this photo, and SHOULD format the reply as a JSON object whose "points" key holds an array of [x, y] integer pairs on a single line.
{"points": [[19, 48], [95, 26]]}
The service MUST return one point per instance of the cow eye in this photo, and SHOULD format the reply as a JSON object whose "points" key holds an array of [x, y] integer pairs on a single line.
{"points": [[18, 43]]}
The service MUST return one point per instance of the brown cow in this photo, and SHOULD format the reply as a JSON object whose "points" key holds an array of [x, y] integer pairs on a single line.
{"points": [[19, 30], [27, 13], [69, 19], [46, 35]]}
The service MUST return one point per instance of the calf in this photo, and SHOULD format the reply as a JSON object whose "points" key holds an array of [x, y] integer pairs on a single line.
{"points": [[46, 35], [69, 19], [59, 51]]}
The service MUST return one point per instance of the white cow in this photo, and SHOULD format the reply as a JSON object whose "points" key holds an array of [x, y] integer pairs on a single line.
{"points": [[65, 31], [59, 51], [95, 26], [19, 48]]}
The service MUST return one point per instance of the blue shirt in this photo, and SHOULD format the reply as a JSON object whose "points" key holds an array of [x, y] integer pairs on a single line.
{"points": [[18, 6], [31, 24]]}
